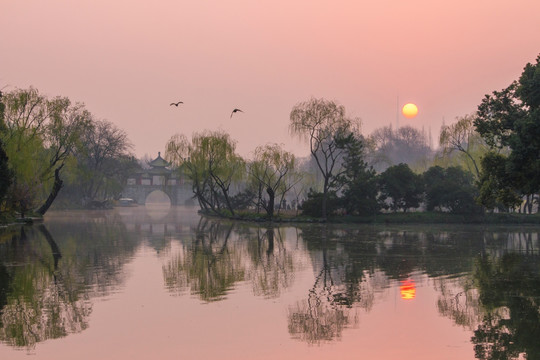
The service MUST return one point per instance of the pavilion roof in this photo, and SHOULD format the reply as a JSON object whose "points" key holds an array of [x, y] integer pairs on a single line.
{"points": [[159, 162]]}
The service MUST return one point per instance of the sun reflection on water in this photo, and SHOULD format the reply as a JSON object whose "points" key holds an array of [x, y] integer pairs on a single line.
{"points": [[407, 289]]}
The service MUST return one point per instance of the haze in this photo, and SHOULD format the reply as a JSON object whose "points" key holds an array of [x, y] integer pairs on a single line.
{"points": [[128, 60]]}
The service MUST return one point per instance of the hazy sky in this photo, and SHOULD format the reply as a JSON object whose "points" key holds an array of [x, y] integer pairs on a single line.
{"points": [[128, 60]]}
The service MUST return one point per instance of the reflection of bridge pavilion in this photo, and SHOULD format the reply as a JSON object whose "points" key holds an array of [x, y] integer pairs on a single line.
{"points": [[159, 177]]}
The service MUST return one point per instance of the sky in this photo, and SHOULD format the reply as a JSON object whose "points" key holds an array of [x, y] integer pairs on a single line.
{"points": [[128, 60]]}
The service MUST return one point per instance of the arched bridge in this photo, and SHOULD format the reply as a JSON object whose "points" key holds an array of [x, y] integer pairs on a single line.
{"points": [[158, 178]]}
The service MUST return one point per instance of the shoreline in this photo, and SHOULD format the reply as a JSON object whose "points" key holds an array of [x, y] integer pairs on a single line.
{"points": [[412, 218], [394, 218]]}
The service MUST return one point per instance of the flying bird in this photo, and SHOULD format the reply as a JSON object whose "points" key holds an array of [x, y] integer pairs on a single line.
{"points": [[177, 103], [235, 110]]}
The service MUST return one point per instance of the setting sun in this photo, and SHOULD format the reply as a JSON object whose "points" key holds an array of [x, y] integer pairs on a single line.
{"points": [[409, 110]]}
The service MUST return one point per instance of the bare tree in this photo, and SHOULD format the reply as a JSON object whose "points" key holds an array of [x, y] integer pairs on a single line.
{"points": [[324, 125], [462, 136], [102, 151], [387, 147]]}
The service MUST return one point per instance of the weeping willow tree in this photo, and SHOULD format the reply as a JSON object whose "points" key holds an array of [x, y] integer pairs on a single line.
{"points": [[40, 134], [270, 171], [462, 138], [6, 174], [210, 162]]}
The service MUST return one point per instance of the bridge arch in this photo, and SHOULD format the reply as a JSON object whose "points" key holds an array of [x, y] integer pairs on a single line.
{"points": [[158, 197]]}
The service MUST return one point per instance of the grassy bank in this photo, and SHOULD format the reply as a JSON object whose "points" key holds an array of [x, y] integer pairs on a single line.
{"points": [[397, 218], [7, 219], [440, 218]]}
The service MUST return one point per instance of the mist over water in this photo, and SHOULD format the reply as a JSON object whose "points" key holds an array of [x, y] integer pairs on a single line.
{"points": [[156, 280]]}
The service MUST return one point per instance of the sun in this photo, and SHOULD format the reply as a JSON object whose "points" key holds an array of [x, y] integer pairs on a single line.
{"points": [[409, 110]]}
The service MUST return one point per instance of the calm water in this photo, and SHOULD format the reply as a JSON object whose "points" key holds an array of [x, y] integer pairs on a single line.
{"points": [[160, 283]]}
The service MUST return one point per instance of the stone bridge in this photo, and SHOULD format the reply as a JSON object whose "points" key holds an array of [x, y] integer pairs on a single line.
{"points": [[158, 178], [178, 194]]}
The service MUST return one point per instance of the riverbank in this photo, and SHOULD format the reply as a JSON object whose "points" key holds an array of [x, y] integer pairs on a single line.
{"points": [[7, 220], [443, 218], [387, 218], [394, 218]]}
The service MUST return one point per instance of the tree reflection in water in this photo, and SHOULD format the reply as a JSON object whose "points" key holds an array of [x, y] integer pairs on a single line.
{"points": [[458, 300], [497, 296], [40, 304], [509, 291], [47, 284], [209, 266], [499, 300], [343, 284], [271, 266], [487, 281], [222, 254]]}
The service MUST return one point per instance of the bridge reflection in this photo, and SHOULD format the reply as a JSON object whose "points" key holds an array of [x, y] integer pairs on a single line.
{"points": [[159, 219]]}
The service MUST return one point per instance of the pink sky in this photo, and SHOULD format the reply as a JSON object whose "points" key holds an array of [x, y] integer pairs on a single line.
{"points": [[127, 60]]}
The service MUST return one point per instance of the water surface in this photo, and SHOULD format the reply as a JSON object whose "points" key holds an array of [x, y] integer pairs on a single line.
{"points": [[164, 283]]}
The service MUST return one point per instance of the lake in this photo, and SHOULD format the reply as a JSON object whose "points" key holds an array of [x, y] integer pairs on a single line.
{"points": [[164, 283]]}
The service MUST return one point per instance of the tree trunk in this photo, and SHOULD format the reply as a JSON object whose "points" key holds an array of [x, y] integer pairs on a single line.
{"points": [[228, 201], [271, 197], [474, 163], [58, 183], [324, 198], [259, 199]]}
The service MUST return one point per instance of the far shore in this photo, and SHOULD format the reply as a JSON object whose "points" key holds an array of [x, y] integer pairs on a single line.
{"points": [[400, 218], [393, 218]]}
